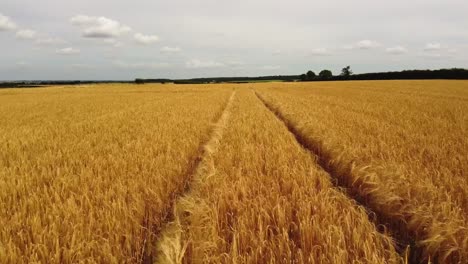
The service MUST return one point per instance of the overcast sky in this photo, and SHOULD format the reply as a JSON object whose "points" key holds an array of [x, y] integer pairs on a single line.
{"points": [[122, 39]]}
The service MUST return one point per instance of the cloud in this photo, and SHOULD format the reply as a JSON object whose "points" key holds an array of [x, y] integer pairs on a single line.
{"points": [[194, 64], [50, 41], [141, 65], [432, 46], [431, 55], [320, 52], [434, 50], [367, 44], [146, 39], [397, 50], [167, 49], [216, 38], [26, 34], [270, 67], [99, 27], [6, 23], [67, 51]]}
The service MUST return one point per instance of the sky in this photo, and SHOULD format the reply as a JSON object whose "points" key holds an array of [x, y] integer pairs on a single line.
{"points": [[124, 40]]}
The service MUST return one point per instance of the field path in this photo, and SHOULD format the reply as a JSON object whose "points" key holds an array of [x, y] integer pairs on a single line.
{"points": [[323, 172], [258, 196], [167, 245], [359, 190], [101, 166], [388, 210]]}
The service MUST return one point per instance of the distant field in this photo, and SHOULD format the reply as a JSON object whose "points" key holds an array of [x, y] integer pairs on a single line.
{"points": [[323, 172], [256, 81]]}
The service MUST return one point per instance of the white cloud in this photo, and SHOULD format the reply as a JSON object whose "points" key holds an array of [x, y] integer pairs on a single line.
{"points": [[363, 44], [167, 49], [214, 35], [146, 39], [50, 41], [26, 34], [432, 46], [367, 44], [68, 51], [194, 64], [431, 55], [99, 27], [270, 67], [320, 52], [6, 23], [141, 65], [397, 50]]}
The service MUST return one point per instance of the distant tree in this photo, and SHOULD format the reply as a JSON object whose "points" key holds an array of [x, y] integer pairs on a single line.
{"points": [[139, 81], [310, 75], [303, 77], [325, 75], [346, 71]]}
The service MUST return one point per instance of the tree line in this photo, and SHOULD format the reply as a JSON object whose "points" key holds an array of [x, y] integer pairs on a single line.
{"points": [[347, 74], [309, 76], [221, 79], [42, 83], [327, 75]]}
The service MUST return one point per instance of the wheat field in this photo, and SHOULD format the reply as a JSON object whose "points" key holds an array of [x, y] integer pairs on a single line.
{"points": [[325, 172]]}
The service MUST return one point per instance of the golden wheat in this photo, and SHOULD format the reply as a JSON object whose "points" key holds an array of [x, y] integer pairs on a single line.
{"points": [[87, 174], [265, 200], [399, 145], [331, 172]]}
